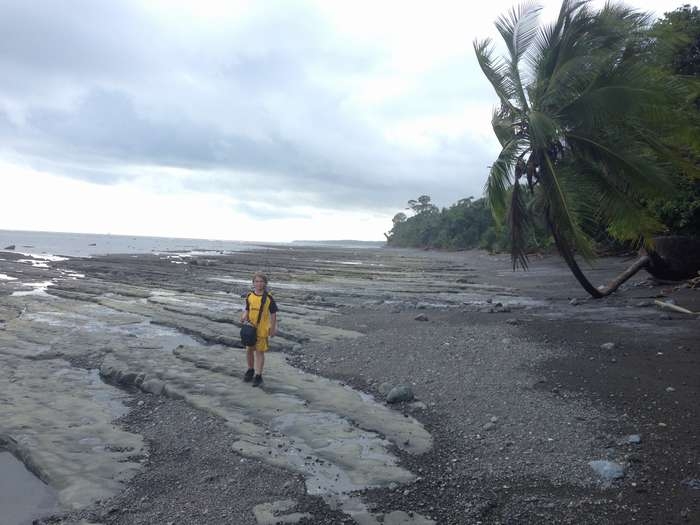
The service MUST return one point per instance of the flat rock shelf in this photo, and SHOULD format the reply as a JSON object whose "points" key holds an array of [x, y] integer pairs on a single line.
{"points": [[121, 391]]}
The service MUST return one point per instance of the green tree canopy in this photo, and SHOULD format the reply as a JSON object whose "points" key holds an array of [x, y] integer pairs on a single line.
{"points": [[585, 120]]}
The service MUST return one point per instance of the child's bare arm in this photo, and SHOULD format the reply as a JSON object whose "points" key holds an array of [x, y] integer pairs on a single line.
{"points": [[273, 324], [244, 316]]}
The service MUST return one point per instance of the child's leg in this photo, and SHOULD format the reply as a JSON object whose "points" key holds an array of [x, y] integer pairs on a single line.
{"points": [[250, 352], [260, 362]]}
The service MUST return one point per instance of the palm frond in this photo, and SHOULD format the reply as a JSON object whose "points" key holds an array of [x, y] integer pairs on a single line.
{"points": [[496, 71], [519, 226], [518, 28], [499, 180], [631, 170], [567, 224], [562, 42], [604, 199]]}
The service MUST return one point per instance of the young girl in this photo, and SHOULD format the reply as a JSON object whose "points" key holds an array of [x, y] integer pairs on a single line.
{"points": [[267, 327]]}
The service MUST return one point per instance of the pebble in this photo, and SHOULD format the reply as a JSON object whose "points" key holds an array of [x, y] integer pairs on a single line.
{"points": [[670, 389], [633, 439], [420, 317], [607, 346], [692, 483], [607, 470]]}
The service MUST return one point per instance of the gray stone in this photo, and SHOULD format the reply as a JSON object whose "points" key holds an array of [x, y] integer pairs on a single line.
{"points": [[278, 512], [693, 483], [127, 378], [385, 387], [421, 317], [607, 470], [400, 393], [633, 439], [153, 386], [607, 346]]}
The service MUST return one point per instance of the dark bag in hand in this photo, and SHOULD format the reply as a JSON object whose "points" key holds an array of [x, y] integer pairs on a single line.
{"points": [[249, 335], [249, 332]]}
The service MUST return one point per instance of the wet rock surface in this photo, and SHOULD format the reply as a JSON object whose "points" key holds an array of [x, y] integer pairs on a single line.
{"points": [[121, 386]]}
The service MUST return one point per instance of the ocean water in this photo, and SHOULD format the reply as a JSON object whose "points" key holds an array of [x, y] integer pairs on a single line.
{"points": [[88, 244], [55, 244]]}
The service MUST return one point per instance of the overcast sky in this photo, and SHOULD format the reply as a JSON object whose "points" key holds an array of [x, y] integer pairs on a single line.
{"points": [[258, 120]]}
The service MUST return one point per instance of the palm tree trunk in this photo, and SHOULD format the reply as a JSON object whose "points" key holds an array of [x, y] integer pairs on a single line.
{"points": [[642, 262], [575, 269], [603, 291]]}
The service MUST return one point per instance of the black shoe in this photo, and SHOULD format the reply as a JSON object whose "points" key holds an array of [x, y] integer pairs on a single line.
{"points": [[257, 380], [248, 375]]}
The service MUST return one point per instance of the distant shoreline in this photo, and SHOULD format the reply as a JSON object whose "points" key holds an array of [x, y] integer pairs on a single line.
{"points": [[38, 243]]}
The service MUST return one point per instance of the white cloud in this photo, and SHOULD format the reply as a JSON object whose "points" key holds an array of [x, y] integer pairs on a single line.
{"points": [[47, 202]]}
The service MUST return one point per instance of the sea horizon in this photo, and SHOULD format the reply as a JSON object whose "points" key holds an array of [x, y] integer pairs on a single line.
{"points": [[74, 244]]}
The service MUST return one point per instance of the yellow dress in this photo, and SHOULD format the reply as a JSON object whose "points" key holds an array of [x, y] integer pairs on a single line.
{"points": [[252, 306]]}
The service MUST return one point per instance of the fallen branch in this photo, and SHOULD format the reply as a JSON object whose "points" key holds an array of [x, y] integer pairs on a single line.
{"points": [[675, 308]]}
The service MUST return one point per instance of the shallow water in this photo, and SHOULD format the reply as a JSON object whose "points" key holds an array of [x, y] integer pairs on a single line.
{"points": [[23, 496]]}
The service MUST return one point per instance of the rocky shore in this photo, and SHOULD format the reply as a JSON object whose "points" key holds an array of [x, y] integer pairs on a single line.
{"points": [[405, 387]]}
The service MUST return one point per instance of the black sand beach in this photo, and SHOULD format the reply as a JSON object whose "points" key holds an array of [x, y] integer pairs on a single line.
{"points": [[519, 383]]}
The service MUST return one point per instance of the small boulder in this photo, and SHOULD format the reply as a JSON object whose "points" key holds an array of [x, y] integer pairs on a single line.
{"points": [[385, 387], [420, 317], [10, 247], [399, 394], [127, 378], [607, 346], [153, 386]]}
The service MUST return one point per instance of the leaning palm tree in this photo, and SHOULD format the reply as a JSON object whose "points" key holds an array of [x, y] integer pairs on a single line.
{"points": [[580, 122]]}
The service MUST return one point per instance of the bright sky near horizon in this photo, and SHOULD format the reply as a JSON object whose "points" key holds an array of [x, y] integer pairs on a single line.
{"points": [[242, 120]]}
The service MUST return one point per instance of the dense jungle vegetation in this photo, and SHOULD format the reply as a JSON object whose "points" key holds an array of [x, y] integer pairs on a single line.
{"points": [[673, 47]]}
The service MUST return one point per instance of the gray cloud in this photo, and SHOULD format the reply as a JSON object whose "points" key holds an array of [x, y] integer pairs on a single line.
{"points": [[98, 85]]}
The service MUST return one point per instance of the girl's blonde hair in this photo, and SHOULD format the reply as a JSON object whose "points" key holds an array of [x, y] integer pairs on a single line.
{"points": [[261, 275]]}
